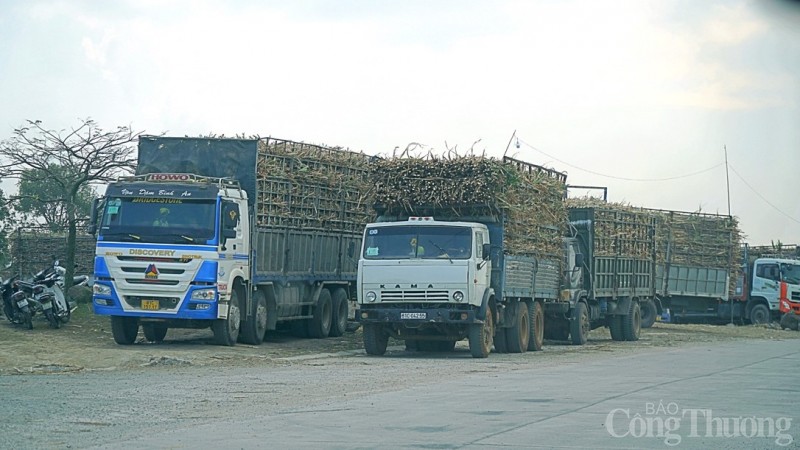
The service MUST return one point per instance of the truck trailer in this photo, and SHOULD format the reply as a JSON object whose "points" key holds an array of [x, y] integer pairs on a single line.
{"points": [[239, 235]]}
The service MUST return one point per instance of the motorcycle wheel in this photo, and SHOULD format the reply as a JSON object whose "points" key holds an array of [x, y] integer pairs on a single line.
{"points": [[52, 319], [27, 319], [65, 316]]}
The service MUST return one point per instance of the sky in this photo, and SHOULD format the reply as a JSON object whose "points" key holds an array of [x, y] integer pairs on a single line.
{"points": [[642, 97]]}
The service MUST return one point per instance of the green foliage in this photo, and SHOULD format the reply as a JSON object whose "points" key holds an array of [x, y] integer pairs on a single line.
{"points": [[42, 194]]}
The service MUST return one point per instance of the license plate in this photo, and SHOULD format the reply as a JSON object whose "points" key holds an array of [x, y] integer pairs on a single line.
{"points": [[150, 304], [22, 303], [410, 315]]}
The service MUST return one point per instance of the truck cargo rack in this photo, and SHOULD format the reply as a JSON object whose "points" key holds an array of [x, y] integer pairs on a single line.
{"points": [[533, 168], [182, 178]]}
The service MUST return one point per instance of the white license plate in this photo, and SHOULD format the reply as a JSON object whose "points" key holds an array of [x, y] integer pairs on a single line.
{"points": [[22, 303], [410, 315]]}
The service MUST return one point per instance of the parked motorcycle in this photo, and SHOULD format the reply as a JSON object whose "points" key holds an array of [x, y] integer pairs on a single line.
{"points": [[15, 303]]}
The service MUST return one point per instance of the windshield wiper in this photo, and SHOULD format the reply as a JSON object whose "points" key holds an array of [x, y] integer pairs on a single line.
{"points": [[441, 250]]}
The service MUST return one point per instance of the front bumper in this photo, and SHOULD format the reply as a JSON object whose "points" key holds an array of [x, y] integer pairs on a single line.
{"points": [[418, 316]]}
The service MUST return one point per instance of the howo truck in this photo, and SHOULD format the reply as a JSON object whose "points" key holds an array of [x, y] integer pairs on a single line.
{"points": [[448, 259], [239, 235]]}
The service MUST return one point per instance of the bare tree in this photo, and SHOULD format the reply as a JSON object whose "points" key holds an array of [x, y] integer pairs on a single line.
{"points": [[83, 155]]}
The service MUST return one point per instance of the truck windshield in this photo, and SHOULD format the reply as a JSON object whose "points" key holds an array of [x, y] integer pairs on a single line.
{"points": [[790, 273], [412, 242], [158, 220]]}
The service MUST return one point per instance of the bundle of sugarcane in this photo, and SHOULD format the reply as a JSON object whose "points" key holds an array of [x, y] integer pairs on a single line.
{"points": [[527, 197], [774, 250], [311, 186], [619, 229]]}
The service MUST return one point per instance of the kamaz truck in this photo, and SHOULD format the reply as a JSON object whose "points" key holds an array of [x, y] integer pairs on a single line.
{"points": [[449, 258], [239, 235]]}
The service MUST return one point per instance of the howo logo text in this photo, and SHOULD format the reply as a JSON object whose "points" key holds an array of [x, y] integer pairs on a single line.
{"points": [[168, 177]]}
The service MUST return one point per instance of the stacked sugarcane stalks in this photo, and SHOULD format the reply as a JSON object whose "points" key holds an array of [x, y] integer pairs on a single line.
{"points": [[310, 186], [689, 239], [619, 230], [528, 197], [775, 250]]}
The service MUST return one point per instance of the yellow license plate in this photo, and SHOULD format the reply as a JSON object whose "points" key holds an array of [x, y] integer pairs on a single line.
{"points": [[150, 304]]}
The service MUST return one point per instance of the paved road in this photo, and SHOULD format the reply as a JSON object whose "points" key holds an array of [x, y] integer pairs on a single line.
{"points": [[683, 398], [610, 396]]}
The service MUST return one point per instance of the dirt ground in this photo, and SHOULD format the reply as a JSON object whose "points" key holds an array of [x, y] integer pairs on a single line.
{"points": [[86, 344]]}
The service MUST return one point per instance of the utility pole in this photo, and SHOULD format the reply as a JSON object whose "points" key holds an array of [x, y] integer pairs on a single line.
{"points": [[730, 235]]}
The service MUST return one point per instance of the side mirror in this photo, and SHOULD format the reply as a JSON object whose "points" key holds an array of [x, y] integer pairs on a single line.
{"points": [[92, 227], [579, 259], [486, 251]]}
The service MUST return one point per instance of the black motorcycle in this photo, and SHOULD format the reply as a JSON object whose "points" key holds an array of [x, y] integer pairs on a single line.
{"points": [[16, 307]]}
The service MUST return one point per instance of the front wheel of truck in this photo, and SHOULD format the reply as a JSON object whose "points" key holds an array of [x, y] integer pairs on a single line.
{"points": [[226, 331], [124, 329], [375, 339], [580, 325], [481, 336], [615, 327]]}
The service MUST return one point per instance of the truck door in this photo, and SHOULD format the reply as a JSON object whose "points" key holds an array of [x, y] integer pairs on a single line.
{"points": [[766, 278], [483, 268]]}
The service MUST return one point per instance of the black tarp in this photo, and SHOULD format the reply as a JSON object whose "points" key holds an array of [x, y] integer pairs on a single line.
{"points": [[211, 157]]}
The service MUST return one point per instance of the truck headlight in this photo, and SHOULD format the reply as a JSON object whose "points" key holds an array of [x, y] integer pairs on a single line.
{"points": [[204, 294], [371, 296], [101, 289], [458, 296]]}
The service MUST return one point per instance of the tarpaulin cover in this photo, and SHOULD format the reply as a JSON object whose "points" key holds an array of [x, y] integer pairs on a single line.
{"points": [[211, 157]]}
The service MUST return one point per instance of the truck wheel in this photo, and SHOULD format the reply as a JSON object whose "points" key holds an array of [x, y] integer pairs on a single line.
{"points": [[579, 324], [320, 324], [226, 331], [615, 327], [649, 313], [518, 334], [124, 329], [632, 323], [340, 313], [255, 326], [447, 346], [759, 314], [481, 336], [154, 332], [375, 339], [536, 339]]}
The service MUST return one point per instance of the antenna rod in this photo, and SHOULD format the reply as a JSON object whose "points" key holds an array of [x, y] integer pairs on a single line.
{"points": [[727, 179], [509, 142]]}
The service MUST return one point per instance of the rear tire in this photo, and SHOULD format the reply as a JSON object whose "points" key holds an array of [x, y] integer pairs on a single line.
{"points": [[536, 339], [320, 324], [255, 326], [154, 332], [632, 323], [481, 336], [375, 339], [124, 329], [341, 309], [518, 334], [580, 325], [615, 327], [52, 319], [649, 313], [226, 331]]}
